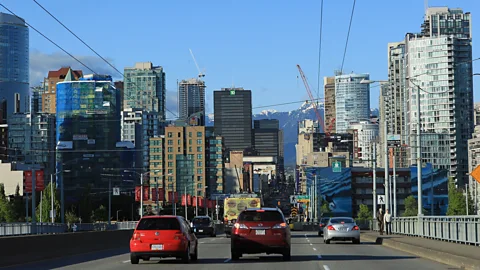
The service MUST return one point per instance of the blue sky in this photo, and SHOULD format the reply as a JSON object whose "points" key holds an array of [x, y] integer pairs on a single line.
{"points": [[252, 44]]}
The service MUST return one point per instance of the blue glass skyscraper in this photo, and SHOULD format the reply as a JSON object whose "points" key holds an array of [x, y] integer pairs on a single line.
{"points": [[14, 63], [88, 129]]}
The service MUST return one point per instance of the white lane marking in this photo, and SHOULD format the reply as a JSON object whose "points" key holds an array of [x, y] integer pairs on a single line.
{"points": [[227, 260], [311, 244], [126, 261], [308, 240], [201, 242], [314, 249], [319, 256], [326, 267], [305, 235]]}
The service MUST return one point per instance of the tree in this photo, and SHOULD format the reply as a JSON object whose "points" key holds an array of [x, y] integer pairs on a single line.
{"points": [[99, 214], [18, 205], [411, 207], [456, 200], [325, 209], [6, 207], [70, 217], [46, 204], [364, 213]]}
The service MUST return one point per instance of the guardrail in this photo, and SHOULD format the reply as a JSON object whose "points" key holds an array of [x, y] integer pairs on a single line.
{"points": [[15, 229], [458, 229]]}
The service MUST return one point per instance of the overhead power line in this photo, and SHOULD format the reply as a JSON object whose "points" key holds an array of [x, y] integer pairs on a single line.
{"points": [[58, 46], [348, 35]]}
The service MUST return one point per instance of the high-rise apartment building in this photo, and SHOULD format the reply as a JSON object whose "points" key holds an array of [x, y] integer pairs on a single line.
{"points": [[87, 133], [14, 59], [215, 166], [473, 163], [352, 100], [329, 110], [144, 88], [138, 126], [233, 117], [439, 63], [364, 137], [49, 94], [191, 100], [266, 135], [3, 131]]}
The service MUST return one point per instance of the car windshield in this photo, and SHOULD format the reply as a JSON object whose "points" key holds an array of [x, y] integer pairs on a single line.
{"points": [[201, 221], [260, 216], [158, 224], [341, 220]]}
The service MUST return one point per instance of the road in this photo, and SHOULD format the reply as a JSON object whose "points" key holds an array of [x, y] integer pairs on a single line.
{"points": [[308, 253]]}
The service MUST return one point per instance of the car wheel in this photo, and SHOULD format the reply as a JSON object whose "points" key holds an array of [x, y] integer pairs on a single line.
{"points": [[186, 256], [235, 255], [356, 241], [327, 241], [319, 234], [134, 259], [287, 255], [195, 254], [214, 235]]}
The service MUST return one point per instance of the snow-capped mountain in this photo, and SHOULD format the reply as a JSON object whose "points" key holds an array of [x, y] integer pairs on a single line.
{"points": [[288, 122]]}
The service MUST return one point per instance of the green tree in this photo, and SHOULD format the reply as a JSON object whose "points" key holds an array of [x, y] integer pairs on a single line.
{"points": [[46, 204], [6, 207], [456, 200], [71, 217], [99, 214], [364, 213], [18, 205], [324, 208], [411, 207]]}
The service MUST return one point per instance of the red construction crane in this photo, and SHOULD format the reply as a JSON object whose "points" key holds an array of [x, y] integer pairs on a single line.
{"points": [[319, 117]]}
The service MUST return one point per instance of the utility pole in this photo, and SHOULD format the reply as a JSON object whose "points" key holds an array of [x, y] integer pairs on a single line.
{"points": [[110, 200], [186, 208], [52, 216], [156, 192], [394, 185], [141, 195], [374, 181], [316, 200], [419, 156], [387, 184]]}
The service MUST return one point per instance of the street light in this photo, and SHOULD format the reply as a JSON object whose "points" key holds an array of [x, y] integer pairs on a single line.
{"points": [[385, 134], [52, 195], [141, 188]]}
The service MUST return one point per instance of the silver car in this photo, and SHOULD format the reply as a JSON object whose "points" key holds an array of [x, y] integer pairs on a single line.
{"points": [[341, 229]]}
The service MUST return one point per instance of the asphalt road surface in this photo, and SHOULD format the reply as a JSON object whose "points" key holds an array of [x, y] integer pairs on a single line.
{"points": [[308, 253]]}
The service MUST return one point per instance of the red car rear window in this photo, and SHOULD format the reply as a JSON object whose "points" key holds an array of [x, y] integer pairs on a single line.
{"points": [[158, 224], [260, 216]]}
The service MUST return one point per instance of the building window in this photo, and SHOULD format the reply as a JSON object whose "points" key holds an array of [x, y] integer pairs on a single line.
{"points": [[199, 156], [199, 171], [189, 141], [199, 164], [199, 178], [170, 135], [190, 134], [170, 164], [170, 156], [199, 185], [199, 141], [179, 149], [179, 142], [190, 149], [199, 134], [170, 179], [199, 149], [170, 149], [170, 142], [170, 171], [179, 135]]}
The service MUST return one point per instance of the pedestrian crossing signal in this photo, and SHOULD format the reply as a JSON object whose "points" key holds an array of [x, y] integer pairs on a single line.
{"points": [[294, 211]]}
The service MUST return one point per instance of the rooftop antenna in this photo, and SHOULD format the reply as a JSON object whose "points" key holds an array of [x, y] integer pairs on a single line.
{"points": [[426, 6]]}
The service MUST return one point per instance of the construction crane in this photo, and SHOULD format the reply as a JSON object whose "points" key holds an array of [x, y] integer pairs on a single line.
{"points": [[200, 73], [319, 117]]}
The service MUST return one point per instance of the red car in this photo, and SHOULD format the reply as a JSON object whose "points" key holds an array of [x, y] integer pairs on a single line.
{"points": [[161, 237], [261, 230]]}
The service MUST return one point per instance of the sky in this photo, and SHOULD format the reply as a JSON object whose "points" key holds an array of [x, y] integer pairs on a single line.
{"points": [[249, 43]]}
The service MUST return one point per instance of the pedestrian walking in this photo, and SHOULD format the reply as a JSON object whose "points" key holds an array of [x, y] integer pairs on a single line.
{"points": [[388, 222], [380, 220]]}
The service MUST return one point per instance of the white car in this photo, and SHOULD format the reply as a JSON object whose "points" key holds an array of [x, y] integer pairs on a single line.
{"points": [[341, 229]]}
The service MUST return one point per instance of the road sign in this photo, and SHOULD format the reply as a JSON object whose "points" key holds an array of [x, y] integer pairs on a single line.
{"points": [[232, 92], [476, 174], [294, 211], [293, 200], [116, 191], [381, 199], [337, 166]]}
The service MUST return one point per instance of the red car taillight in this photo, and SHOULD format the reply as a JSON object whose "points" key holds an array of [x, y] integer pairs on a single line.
{"points": [[280, 226], [240, 226], [355, 228], [331, 228], [321, 225], [136, 236]]}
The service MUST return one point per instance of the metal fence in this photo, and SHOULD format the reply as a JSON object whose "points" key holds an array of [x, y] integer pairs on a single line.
{"points": [[15, 229], [458, 229]]}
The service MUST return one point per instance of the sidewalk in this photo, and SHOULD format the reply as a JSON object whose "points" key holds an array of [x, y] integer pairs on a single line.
{"points": [[458, 255]]}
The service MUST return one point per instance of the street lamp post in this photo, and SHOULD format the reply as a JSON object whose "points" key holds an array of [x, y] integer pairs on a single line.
{"points": [[141, 188]]}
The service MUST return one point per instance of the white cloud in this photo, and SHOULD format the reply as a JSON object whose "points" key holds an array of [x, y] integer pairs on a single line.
{"points": [[41, 63]]}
